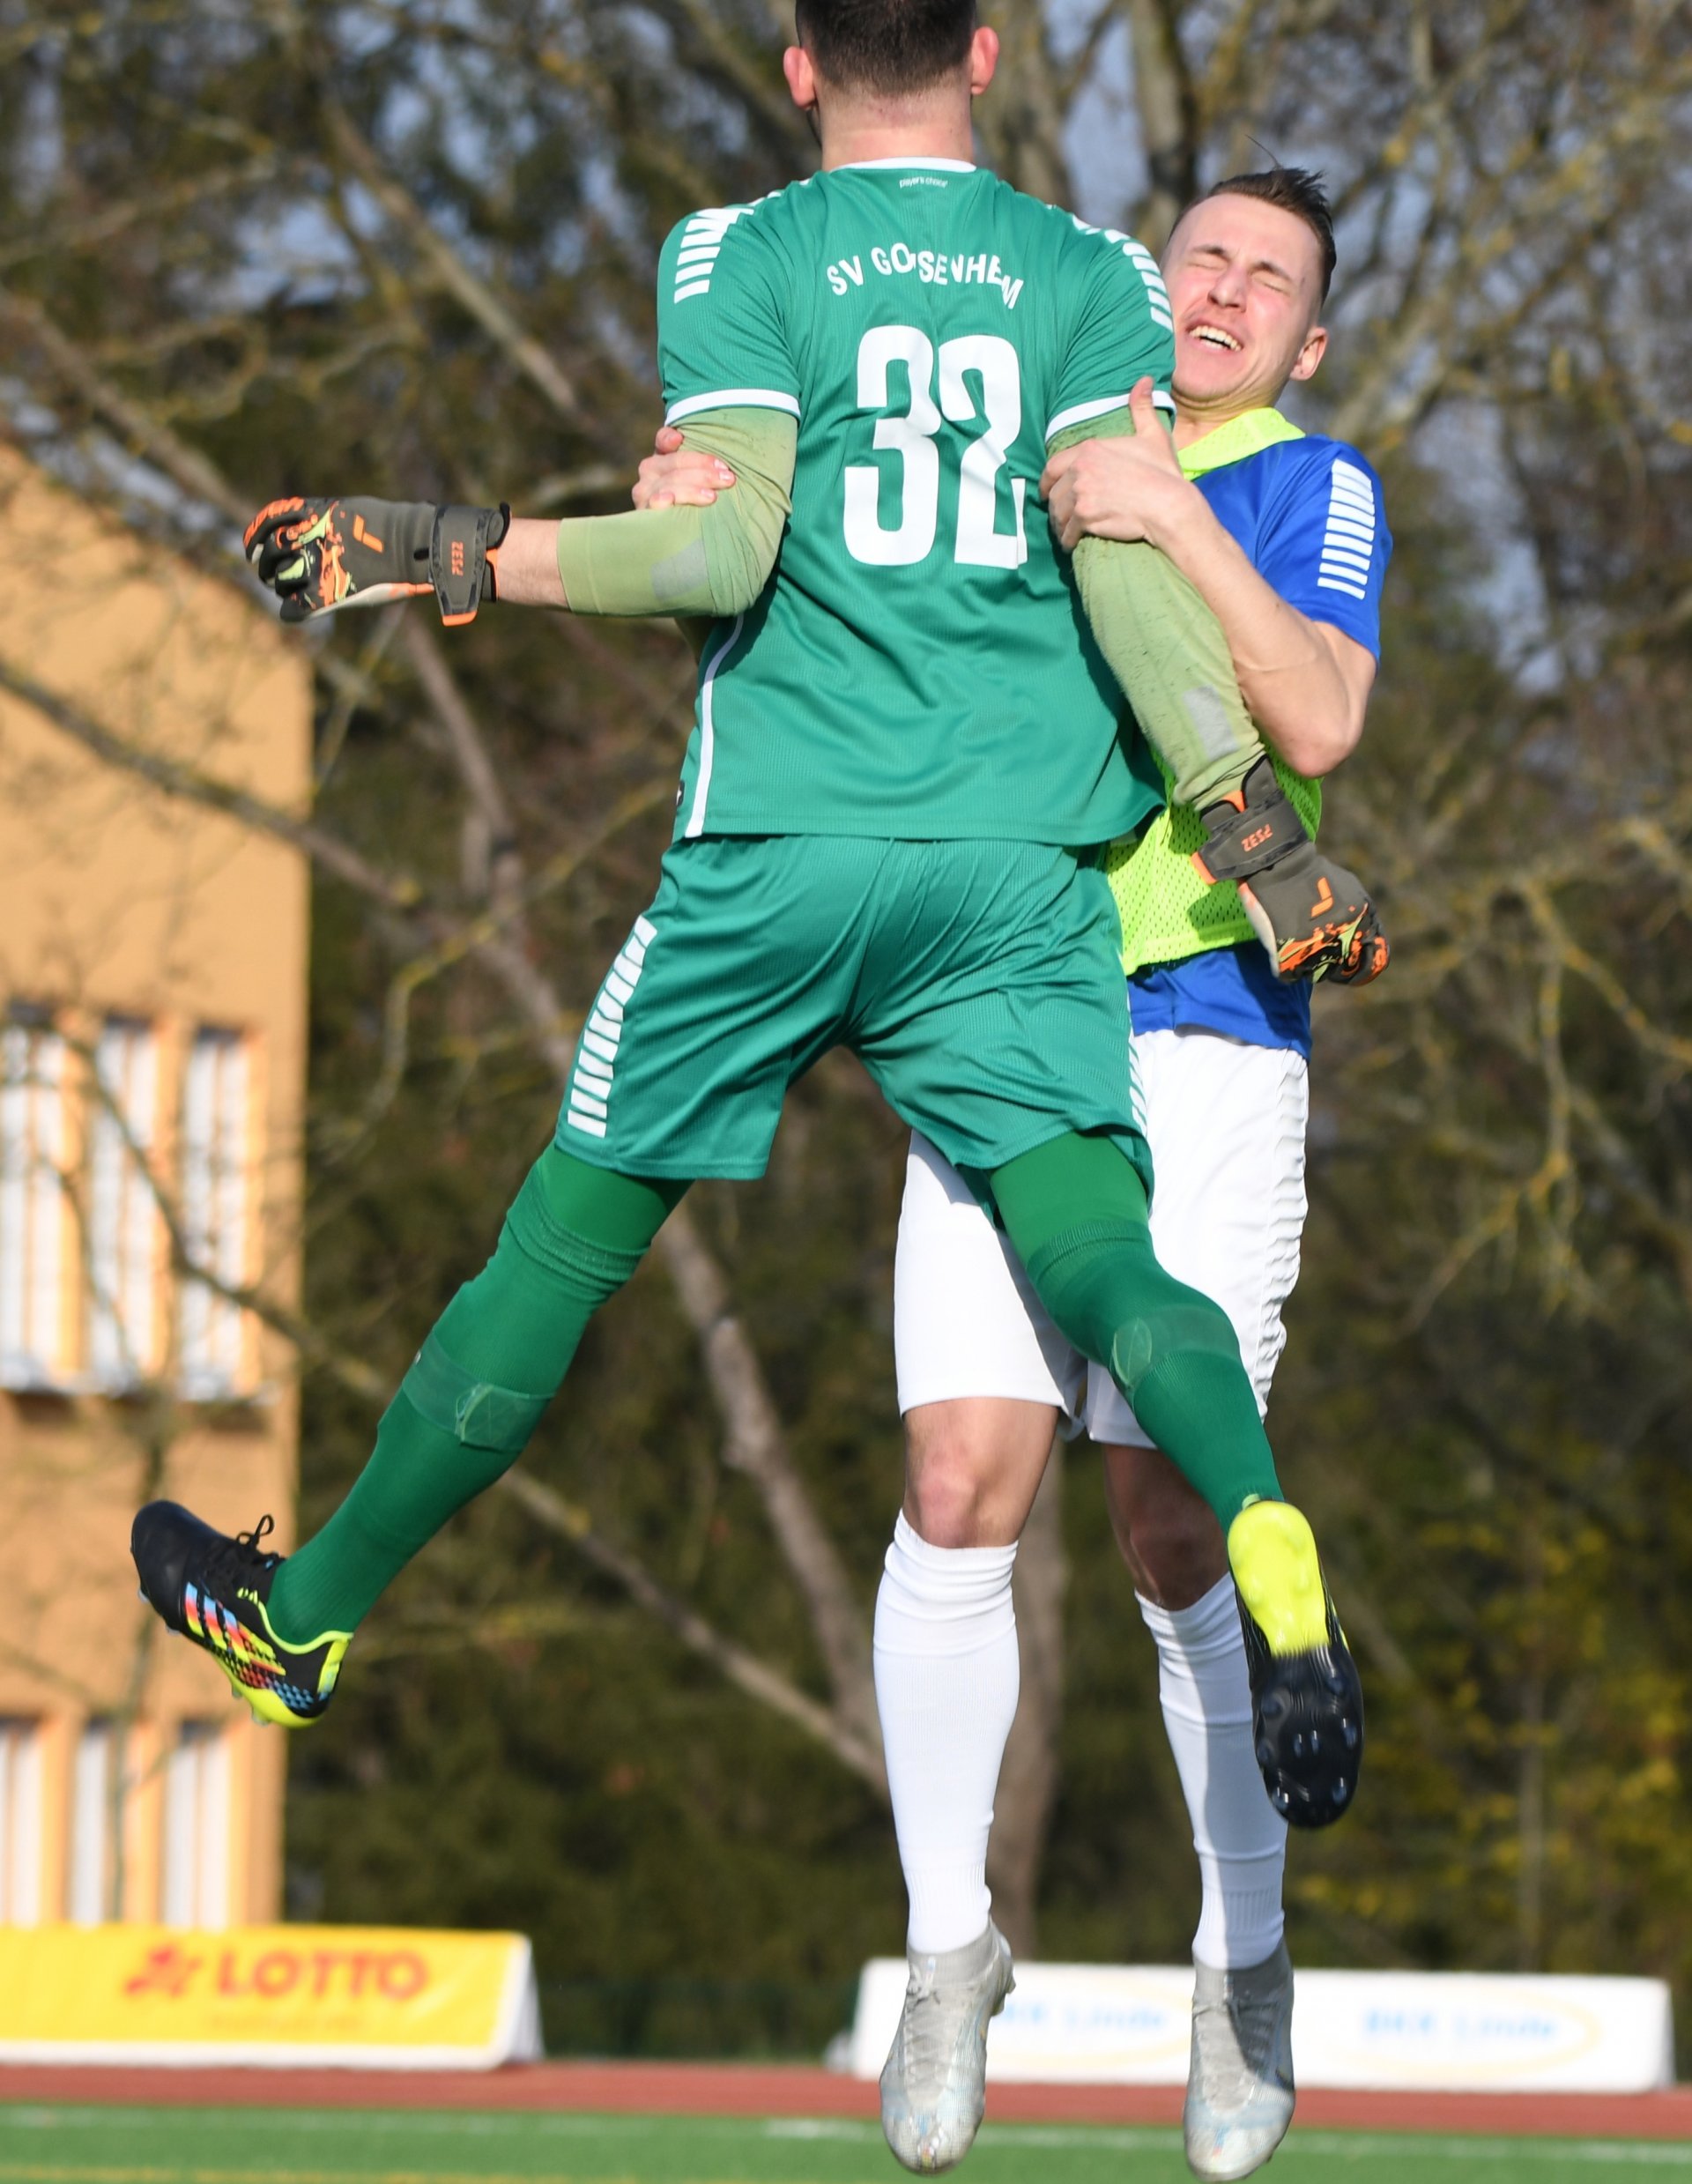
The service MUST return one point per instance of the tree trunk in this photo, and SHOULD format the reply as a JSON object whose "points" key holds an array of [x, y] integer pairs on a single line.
{"points": [[1168, 119]]}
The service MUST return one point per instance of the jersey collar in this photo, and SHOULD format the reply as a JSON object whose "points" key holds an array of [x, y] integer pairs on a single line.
{"points": [[1249, 433], [934, 167]]}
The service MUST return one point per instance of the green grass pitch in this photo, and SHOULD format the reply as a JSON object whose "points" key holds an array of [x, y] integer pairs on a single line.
{"points": [[89, 2145]]}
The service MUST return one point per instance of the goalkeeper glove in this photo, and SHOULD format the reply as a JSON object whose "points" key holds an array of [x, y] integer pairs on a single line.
{"points": [[318, 555], [1313, 916]]}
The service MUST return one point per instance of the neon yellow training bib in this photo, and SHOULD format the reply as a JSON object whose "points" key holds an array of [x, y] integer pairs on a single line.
{"points": [[1167, 912]]}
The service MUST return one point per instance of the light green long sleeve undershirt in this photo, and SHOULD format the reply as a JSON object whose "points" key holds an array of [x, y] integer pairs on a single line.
{"points": [[712, 561], [1167, 650], [1160, 641]]}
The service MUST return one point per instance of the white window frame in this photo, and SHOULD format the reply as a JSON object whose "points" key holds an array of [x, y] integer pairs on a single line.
{"points": [[32, 1205], [216, 1197], [123, 1224], [21, 1786], [88, 1872], [194, 1844]]}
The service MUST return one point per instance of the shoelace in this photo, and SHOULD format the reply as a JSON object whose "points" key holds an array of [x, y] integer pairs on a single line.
{"points": [[927, 2047], [1252, 2020], [228, 1562]]}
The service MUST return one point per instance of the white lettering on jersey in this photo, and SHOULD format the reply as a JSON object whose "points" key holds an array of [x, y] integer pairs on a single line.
{"points": [[1348, 542], [933, 268], [979, 544], [700, 241]]}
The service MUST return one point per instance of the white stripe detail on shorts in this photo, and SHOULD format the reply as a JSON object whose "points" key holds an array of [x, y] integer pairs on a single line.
{"points": [[592, 1079], [695, 825], [734, 398]]}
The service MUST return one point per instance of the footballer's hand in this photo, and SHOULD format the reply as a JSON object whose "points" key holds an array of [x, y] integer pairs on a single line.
{"points": [[675, 475], [1313, 916], [1128, 487], [321, 555]]}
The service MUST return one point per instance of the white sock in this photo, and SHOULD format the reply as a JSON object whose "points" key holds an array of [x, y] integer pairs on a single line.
{"points": [[1240, 1837], [947, 1677]]}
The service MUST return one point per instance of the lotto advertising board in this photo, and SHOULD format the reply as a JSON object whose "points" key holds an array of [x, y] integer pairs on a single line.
{"points": [[372, 1998], [1437, 2031]]}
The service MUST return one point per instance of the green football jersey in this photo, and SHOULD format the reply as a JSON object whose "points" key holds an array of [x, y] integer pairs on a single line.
{"points": [[919, 665]]}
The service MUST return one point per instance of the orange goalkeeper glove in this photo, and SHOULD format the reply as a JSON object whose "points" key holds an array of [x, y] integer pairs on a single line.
{"points": [[319, 555], [1313, 916]]}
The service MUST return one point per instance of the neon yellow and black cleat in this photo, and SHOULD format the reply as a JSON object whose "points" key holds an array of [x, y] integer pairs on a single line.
{"points": [[1307, 1702], [214, 1591]]}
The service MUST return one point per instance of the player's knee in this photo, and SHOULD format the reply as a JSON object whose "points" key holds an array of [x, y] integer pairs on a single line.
{"points": [[964, 1468], [1105, 1290], [946, 1488], [1182, 1324], [1170, 1538], [559, 1253]]}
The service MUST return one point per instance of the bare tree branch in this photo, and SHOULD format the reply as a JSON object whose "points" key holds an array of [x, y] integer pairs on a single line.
{"points": [[742, 1669], [495, 317]]}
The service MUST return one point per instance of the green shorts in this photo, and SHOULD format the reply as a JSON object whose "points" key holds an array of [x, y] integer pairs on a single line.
{"points": [[979, 982]]}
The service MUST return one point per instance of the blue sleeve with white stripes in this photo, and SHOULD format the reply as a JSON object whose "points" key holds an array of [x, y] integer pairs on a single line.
{"points": [[1324, 544]]}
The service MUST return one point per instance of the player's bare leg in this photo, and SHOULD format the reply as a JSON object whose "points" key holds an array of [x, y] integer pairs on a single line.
{"points": [[1239, 2092], [973, 1467], [945, 1680]]}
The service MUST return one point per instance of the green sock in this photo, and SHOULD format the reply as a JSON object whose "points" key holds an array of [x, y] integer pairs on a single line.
{"points": [[1076, 1212], [465, 1410]]}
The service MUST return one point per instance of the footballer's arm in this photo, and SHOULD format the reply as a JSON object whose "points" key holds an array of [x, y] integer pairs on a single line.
{"points": [[1307, 684], [322, 555]]}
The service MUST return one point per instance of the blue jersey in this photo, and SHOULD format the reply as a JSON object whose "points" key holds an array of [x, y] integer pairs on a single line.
{"points": [[1307, 512]]}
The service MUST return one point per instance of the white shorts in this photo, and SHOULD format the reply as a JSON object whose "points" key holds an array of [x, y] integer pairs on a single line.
{"points": [[1225, 1125]]}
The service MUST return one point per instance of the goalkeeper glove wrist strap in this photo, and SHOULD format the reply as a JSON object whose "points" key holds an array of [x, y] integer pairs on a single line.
{"points": [[463, 559], [1251, 831]]}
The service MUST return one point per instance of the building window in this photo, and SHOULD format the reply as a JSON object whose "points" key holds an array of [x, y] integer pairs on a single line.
{"points": [[88, 1889], [215, 1167], [20, 1823], [123, 1227], [31, 1204], [194, 1884], [215, 1216]]}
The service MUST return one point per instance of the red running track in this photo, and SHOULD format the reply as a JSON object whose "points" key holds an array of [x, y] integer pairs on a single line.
{"points": [[769, 2090]]}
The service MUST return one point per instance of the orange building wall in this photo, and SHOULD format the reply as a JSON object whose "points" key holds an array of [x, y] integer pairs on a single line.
{"points": [[117, 898]]}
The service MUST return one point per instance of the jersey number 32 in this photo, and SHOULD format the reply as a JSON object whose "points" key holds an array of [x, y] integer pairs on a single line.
{"points": [[910, 434]]}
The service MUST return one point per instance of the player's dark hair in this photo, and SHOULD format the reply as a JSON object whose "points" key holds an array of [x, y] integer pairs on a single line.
{"points": [[890, 46], [1297, 190]]}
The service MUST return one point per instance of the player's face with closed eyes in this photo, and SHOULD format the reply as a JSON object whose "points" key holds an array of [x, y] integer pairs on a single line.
{"points": [[1245, 284]]}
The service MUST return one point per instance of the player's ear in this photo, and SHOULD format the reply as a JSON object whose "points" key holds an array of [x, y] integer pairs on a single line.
{"points": [[801, 75], [1315, 348], [983, 59]]}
